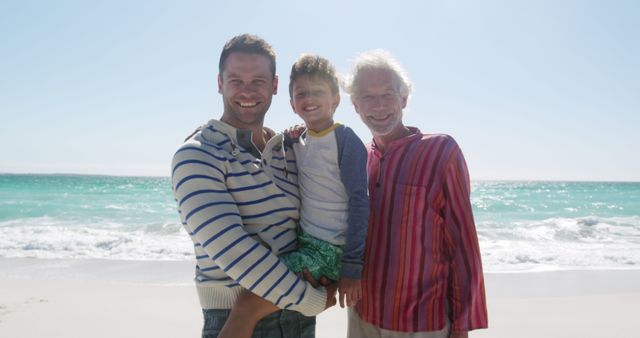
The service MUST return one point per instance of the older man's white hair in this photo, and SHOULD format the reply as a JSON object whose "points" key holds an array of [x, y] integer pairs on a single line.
{"points": [[376, 59]]}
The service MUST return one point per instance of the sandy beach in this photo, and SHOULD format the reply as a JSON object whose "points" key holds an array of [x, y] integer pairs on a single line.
{"points": [[108, 298]]}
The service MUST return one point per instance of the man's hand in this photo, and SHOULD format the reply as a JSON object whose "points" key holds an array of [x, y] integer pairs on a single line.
{"points": [[328, 285], [349, 289], [464, 334]]}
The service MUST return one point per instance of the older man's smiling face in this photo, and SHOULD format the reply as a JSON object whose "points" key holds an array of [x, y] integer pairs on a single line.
{"points": [[378, 101]]}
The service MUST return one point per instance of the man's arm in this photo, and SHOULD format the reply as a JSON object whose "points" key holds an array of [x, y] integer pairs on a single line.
{"points": [[213, 221], [466, 281]]}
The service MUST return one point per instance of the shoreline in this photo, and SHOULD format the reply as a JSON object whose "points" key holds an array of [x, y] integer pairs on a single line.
{"points": [[108, 298]]}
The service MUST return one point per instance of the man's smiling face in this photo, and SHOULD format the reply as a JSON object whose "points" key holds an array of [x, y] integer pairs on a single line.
{"points": [[247, 87], [379, 102]]}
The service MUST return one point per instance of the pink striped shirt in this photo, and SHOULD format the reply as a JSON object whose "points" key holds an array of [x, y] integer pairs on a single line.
{"points": [[422, 255]]}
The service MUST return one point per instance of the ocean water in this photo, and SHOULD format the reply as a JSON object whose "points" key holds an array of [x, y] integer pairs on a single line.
{"points": [[522, 226]]}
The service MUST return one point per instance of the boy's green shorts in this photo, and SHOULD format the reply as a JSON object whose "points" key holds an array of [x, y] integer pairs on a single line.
{"points": [[319, 257]]}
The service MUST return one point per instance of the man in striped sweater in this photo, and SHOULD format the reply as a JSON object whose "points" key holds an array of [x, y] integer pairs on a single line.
{"points": [[236, 187], [422, 274]]}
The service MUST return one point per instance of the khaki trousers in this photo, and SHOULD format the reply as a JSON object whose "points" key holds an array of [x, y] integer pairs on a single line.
{"points": [[360, 329]]}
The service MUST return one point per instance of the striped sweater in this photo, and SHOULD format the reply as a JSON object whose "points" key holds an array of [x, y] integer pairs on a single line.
{"points": [[240, 211], [422, 257]]}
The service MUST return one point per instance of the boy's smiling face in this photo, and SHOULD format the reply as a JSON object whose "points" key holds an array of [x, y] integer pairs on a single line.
{"points": [[313, 100]]}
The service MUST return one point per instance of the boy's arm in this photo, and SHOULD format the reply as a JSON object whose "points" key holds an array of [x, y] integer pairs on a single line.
{"points": [[353, 173], [213, 221]]}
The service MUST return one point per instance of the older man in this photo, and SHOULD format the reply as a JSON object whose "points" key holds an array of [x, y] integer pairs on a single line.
{"points": [[422, 272], [235, 185]]}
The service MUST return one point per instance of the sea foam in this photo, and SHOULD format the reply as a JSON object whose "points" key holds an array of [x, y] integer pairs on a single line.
{"points": [[47, 238], [522, 226], [561, 243]]}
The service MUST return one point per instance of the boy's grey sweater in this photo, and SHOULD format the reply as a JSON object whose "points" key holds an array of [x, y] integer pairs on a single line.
{"points": [[334, 192]]}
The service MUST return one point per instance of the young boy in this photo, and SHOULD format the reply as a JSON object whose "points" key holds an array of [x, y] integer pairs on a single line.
{"points": [[331, 162]]}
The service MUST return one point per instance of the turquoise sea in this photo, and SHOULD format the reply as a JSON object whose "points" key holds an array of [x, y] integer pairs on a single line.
{"points": [[522, 226]]}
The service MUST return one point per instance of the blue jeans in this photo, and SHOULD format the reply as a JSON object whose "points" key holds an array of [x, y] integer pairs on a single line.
{"points": [[282, 324]]}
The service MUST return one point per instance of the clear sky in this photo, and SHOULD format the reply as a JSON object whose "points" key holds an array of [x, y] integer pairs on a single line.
{"points": [[546, 90]]}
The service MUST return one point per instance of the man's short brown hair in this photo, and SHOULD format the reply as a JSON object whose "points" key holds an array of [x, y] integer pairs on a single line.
{"points": [[249, 44]]}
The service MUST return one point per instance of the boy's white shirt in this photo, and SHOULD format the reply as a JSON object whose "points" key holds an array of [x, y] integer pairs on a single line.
{"points": [[324, 207]]}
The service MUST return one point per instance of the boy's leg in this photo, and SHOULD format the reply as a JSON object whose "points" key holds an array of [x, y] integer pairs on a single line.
{"points": [[246, 312]]}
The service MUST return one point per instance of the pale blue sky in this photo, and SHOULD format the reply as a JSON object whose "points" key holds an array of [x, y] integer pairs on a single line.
{"points": [[530, 89]]}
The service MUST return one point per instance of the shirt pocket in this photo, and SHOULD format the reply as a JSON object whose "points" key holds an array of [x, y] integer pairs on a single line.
{"points": [[409, 204], [416, 221]]}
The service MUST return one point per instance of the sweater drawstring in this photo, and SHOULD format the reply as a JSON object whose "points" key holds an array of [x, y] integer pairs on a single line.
{"points": [[234, 149]]}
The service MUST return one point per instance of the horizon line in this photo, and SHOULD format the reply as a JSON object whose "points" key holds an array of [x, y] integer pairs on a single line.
{"points": [[472, 180]]}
